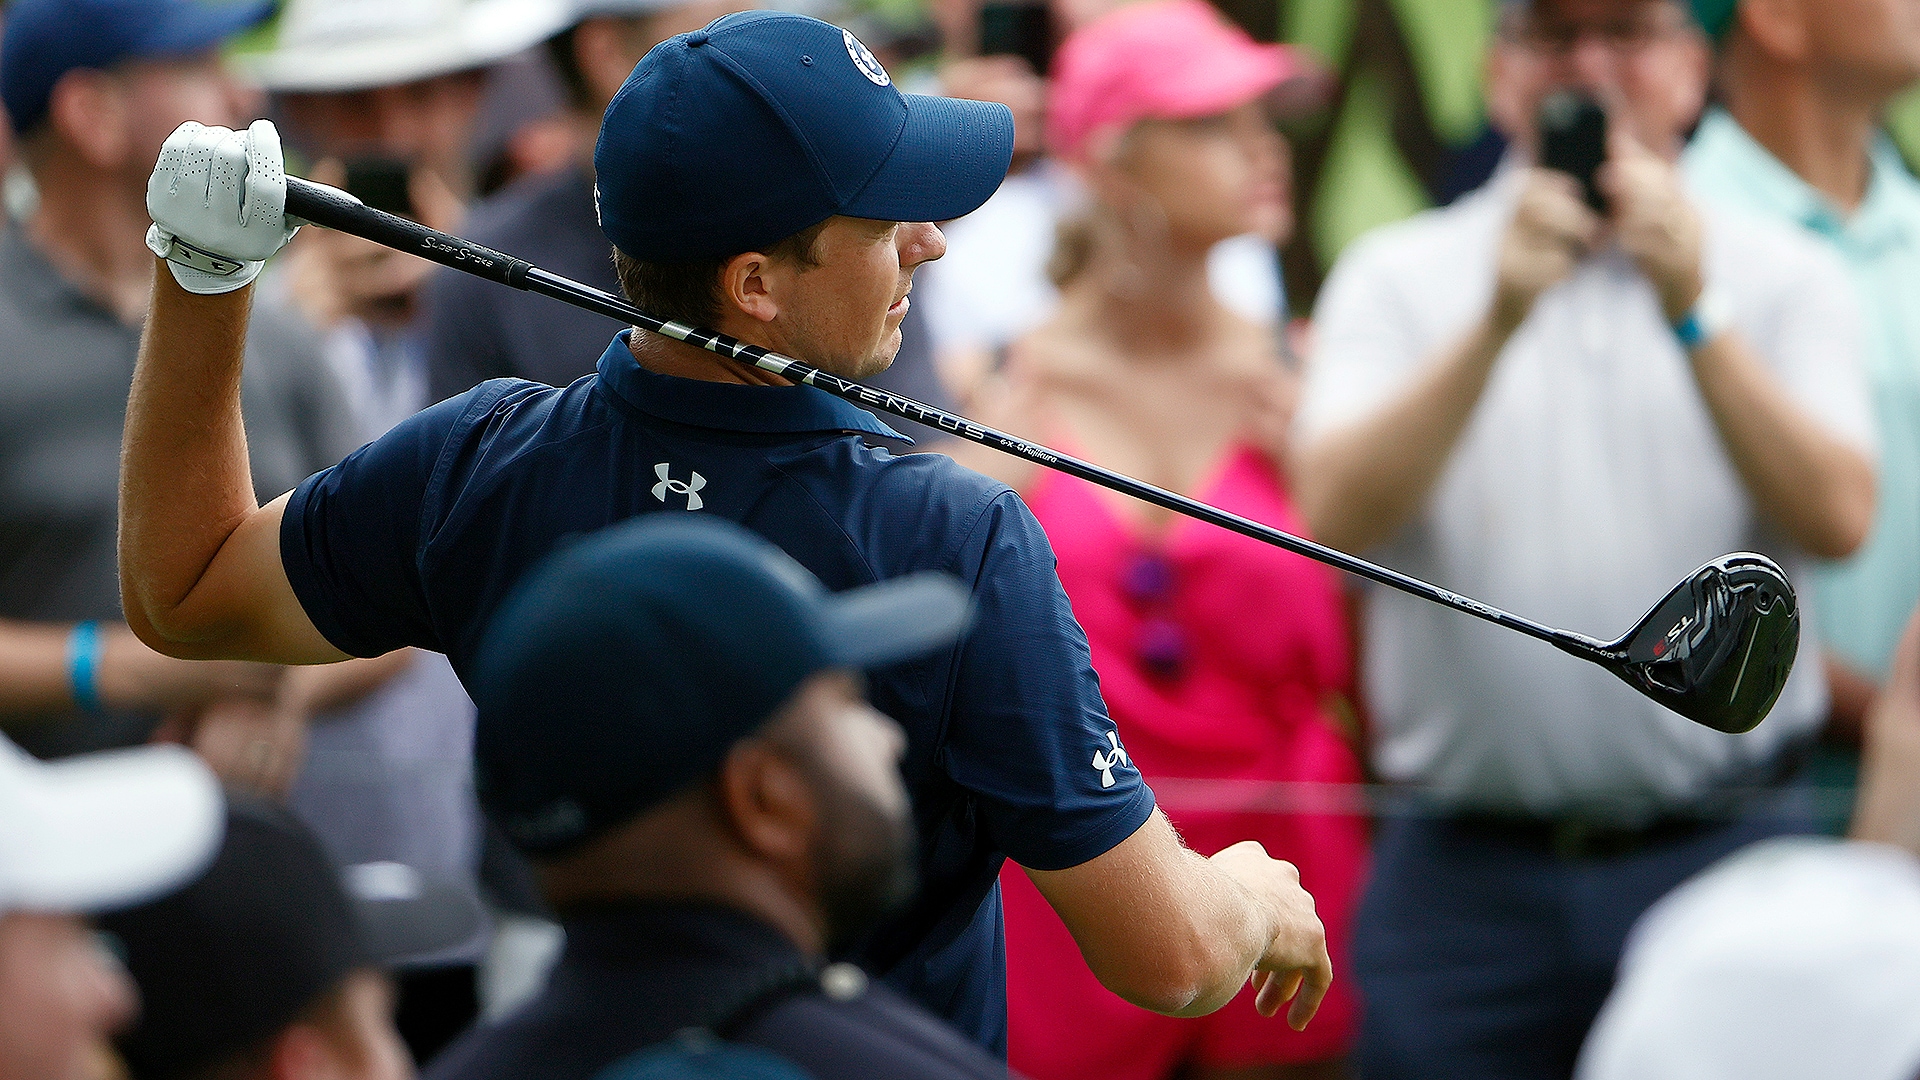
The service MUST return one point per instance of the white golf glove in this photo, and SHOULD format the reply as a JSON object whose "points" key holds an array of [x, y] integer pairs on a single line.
{"points": [[218, 199]]}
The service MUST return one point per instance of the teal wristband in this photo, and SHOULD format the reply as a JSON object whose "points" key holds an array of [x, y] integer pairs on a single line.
{"points": [[1706, 321], [83, 661], [1691, 333]]}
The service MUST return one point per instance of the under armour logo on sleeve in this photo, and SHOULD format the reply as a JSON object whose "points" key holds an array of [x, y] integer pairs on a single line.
{"points": [[1108, 760], [689, 488]]}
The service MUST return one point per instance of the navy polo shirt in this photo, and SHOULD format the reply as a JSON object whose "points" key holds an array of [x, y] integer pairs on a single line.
{"points": [[416, 538]]}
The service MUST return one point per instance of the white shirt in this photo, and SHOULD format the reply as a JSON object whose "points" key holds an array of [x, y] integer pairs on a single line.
{"points": [[1589, 480], [991, 287]]}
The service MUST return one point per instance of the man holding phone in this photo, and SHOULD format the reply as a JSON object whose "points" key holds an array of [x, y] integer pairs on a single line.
{"points": [[1527, 381]]}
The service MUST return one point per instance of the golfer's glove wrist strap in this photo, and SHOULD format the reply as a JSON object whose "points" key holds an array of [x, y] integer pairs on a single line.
{"points": [[197, 269]]}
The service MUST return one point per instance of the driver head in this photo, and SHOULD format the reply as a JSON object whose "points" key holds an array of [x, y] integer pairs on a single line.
{"points": [[1718, 649]]}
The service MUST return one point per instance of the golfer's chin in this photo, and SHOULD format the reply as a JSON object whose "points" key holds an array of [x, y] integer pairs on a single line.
{"points": [[881, 358]]}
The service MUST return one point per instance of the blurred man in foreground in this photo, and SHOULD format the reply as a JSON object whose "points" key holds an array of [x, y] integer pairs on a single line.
{"points": [[268, 965], [1562, 410], [712, 803], [1804, 84], [86, 835]]}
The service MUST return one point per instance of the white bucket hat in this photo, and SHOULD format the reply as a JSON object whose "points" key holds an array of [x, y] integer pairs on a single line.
{"points": [[335, 45], [103, 831], [1789, 960]]}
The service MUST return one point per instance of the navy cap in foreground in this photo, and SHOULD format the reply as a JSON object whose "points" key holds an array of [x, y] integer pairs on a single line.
{"points": [[765, 123], [624, 667], [270, 928], [45, 39]]}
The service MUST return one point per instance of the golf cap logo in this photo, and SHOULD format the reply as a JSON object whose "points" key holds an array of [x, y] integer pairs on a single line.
{"points": [[1107, 760], [864, 59], [689, 488]]}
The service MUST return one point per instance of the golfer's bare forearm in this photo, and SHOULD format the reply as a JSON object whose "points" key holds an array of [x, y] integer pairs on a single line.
{"points": [[1814, 487], [200, 573], [1159, 925], [1360, 484]]}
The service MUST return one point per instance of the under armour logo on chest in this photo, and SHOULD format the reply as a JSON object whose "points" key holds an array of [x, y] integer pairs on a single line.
{"points": [[1108, 760], [689, 488]]}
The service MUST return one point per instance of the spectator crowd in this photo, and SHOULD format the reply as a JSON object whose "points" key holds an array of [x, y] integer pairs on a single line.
{"points": [[404, 675]]}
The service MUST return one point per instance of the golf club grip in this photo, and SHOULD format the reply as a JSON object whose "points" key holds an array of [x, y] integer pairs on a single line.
{"points": [[338, 210]]}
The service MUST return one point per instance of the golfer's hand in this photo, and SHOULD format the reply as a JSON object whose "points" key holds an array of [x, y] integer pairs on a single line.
{"points": [[134, 677], [1655, 221], [1552, 230], [218, 199], [1296, 966]]}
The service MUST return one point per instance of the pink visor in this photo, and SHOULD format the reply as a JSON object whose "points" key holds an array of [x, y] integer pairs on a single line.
{"points": [[1159, 59]]}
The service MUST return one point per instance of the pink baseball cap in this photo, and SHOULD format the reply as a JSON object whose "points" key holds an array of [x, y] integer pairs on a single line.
{"points": [[1159, 59]]}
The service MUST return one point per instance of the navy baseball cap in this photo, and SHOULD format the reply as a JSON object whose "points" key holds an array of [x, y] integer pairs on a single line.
{"points": [[764, 123], [270, 927], [622, 669], [45, 39]]}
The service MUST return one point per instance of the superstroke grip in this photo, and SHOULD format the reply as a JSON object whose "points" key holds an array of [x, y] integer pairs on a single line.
{"points": [[337, 210]]}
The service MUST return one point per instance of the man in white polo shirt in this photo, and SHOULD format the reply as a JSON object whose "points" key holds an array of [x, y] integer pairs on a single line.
{"points": [[1563, 411]]}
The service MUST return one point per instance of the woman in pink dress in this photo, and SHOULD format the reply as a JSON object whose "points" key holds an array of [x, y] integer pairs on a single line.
{"points": [[1224, 661]]}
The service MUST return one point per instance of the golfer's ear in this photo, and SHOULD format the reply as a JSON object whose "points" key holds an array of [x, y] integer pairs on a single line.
{"points": [[745, 285]]}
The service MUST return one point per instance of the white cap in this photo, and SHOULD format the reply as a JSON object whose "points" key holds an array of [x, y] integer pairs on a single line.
{"points": [[1792, 959], [106, 830], [332, 45]]}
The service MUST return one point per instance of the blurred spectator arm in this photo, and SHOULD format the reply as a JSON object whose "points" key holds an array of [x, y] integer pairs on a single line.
{"points": [[201, 576], [1887, 808], [1360, 483], [36, 673], [324, 688], [1816, 487], [1851, 693], [1365, 465], [260, 743], [1782, 428]]}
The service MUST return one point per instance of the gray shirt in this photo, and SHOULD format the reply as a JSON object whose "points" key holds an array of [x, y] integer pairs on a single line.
{"points": [[68, 364]]}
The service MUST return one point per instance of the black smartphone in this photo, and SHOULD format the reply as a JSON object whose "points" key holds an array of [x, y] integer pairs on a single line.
{"points": [[382, 183], [1017, 29], [1573, 140]]}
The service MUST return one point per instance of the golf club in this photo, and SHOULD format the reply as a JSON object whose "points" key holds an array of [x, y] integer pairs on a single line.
{"points": [[1717, 649]]}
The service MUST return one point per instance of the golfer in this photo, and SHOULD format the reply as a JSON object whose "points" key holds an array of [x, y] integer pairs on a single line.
{"points": [[762, 177]]}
